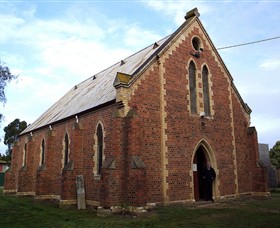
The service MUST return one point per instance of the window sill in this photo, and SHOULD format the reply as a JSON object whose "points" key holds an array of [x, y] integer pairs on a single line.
{"points": [[69, 166], [96, 177], [23, 168], [42, 167]]}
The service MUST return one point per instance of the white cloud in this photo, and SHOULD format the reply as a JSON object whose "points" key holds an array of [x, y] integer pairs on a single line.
{"points": [[78, 58], [174, 9], [9, 26], [22, 83], [270, 64], [267, 128], [38, 33], [134, 35], [79, 47], [177, 9], [30, 97]]}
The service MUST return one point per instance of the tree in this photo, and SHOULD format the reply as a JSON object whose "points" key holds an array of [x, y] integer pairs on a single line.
{"points": [[5, 77], [274, 154], [12, 132]]}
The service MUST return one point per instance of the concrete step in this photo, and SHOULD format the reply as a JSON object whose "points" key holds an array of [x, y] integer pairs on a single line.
{"points": [[206, 203]]}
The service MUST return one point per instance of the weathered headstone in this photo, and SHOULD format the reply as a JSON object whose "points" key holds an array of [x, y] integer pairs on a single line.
{"points": [[81, 200]]}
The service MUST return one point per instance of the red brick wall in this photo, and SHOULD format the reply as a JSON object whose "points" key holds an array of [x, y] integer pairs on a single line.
{"points": [[242, 148], [11, 175], [51, 179], [259, 173], [146, 130], [49, 176]]}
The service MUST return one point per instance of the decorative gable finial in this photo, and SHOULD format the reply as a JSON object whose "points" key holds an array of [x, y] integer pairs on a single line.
{"points": [[192, 13]]}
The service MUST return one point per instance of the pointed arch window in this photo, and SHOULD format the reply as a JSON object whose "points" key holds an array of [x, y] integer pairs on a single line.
{"points": [[206, 96], [99, 134], [43, 152], [66, 149], [192, 84]]}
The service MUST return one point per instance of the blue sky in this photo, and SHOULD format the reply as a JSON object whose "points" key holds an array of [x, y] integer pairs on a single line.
{"points": [[53, 45]]}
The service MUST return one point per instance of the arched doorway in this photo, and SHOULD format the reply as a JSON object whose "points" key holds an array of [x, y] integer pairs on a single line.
{"points": [[199, 163]]}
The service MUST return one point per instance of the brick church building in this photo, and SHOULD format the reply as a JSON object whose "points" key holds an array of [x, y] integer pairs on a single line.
{"points": [[141, 131]]}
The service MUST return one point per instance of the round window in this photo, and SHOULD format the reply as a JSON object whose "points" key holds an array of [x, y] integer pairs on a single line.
{"points": [[196, 43]]}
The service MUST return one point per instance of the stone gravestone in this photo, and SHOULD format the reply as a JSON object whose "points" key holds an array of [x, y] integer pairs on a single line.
{"points": [[81, 200]]}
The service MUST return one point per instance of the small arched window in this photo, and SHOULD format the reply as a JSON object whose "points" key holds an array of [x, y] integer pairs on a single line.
{"points": [[206, 96], [192, 84], [66, 149], [43, 152], [99, 134]]}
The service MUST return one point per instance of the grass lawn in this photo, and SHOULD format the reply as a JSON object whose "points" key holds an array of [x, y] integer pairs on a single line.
{"points": [[25, 212]]}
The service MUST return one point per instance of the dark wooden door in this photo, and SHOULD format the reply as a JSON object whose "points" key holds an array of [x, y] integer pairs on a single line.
{"points": [[199, 162]]}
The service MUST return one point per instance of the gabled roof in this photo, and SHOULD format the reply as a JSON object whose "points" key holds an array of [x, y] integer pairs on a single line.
{"points": [[94, 91]]}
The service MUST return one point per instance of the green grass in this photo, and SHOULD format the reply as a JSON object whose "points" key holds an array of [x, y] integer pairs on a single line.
{"points": [[26, 212]]}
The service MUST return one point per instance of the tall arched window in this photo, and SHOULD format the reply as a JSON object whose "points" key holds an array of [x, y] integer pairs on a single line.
{"points": [[206, 96], [192, 83], [66, 149], [24, 154], [43, 152], [99, 134]]}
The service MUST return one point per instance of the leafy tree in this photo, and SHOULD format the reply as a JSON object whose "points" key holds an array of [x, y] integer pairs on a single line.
{"points": [[5, 77], [12, 132], [274, 154]]}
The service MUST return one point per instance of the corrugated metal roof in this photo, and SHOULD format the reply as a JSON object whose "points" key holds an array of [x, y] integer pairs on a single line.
{"points": [[94, 91]]}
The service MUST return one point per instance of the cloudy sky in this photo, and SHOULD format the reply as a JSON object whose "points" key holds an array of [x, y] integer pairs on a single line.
{"points": [[53, 45]]}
